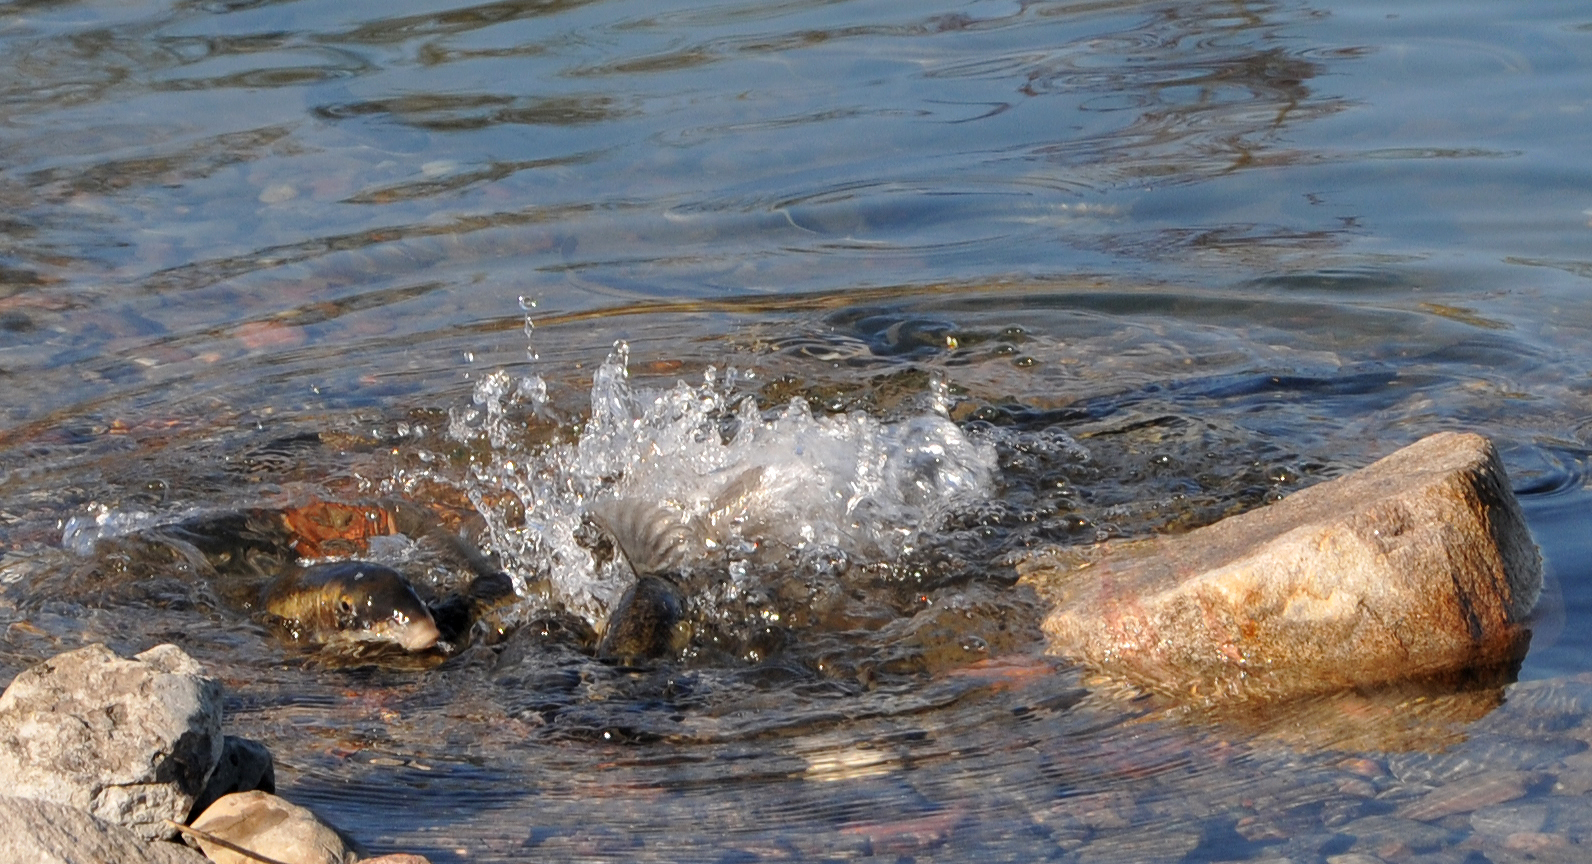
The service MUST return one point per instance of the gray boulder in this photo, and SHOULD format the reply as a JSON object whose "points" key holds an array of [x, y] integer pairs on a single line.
{"points": [[43, 832], [1418, 566], [130, 741]]}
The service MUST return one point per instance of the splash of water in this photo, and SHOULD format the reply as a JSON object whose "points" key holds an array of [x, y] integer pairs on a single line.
{"points": [[81, 532], [693, 479]]}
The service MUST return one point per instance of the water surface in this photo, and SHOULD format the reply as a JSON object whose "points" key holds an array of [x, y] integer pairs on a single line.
{"points": [[1167, 261]]}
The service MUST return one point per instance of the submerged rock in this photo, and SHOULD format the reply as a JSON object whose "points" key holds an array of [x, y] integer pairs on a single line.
{"points": [[270, 826], [130, 741], [1417, 566], [44, 832]]}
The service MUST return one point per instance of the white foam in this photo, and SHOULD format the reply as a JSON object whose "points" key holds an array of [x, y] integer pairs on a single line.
{"points": [[723, 483]]}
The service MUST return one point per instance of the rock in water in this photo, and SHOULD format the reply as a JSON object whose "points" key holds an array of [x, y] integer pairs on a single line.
{"points": [[245, 766], [1419, 565], [269, 826], [130, 741], [43, 832]]}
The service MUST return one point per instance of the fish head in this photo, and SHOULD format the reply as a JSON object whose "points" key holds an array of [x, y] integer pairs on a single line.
{"points": [[372, 603]]}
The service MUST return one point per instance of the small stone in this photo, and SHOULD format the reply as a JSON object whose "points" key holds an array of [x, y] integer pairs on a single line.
{"points": [[1535, 843], [44, 832], [1354, 858], [1260, 829], [1362, 766], [1098, 811], [277, 193], [1469, 794], [269, 826], [1509, 819], [1576, 776], [1417, 566], [1139, 846], [1376, 832], [130, 741], [1357, 787]]}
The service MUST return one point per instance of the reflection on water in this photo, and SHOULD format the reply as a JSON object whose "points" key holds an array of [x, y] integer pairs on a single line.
{"points": [[1166, 261]]}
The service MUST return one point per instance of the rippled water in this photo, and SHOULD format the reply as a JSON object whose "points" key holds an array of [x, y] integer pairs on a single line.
{"points": [[1166, 261]]}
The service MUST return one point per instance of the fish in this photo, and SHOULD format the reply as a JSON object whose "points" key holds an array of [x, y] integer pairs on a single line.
{"points": [[350, 601], [644, 624]]}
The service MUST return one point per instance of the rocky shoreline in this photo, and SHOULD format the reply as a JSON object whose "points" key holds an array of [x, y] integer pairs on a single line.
{"points": [[105, 758]]}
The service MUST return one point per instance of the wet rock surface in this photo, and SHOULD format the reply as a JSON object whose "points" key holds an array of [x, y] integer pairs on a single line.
{"points": [[1419, 565], [131, 741], [44, 832]]}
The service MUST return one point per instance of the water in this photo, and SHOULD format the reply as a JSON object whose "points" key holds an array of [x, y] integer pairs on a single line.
{"points": [[907, 291]]}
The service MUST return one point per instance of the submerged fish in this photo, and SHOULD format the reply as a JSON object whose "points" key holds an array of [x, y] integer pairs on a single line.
{"points": [[351, 601]]}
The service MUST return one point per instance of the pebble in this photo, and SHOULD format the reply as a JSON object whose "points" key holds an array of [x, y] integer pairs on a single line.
{"points": [[277, 193], [1509, 819], [244, 766], [1575, 778], [1374, 832], [1139, 846], [1471, 793], [1099, 811], [1535, 842], [1354, 858]]}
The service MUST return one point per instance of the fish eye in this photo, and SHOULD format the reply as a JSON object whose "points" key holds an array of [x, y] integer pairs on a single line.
{"points": [[345, 606]]}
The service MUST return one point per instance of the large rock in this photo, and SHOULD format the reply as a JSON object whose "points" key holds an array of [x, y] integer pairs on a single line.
{"points": [[43, 832], [1417, 566], [267, 825], [130, 741]]}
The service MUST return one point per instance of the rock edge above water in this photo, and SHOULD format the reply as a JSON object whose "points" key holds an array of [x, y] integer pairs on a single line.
{"points": [[44, 832], [132, 741], [100, 757], [1419, 565]]}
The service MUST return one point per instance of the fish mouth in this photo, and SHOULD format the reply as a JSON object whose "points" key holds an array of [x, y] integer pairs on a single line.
{"points": [[419, 634]]}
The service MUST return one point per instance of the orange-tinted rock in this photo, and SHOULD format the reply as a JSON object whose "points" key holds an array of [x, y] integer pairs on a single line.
{"points": [[1417, 566]]}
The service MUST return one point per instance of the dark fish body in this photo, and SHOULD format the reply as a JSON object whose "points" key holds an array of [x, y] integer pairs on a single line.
{"points": [[354, 601], [486, 595], [642, 625]]}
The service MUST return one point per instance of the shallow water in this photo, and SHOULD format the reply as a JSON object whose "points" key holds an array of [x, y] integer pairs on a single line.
{"points": [[1160, 262]]}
